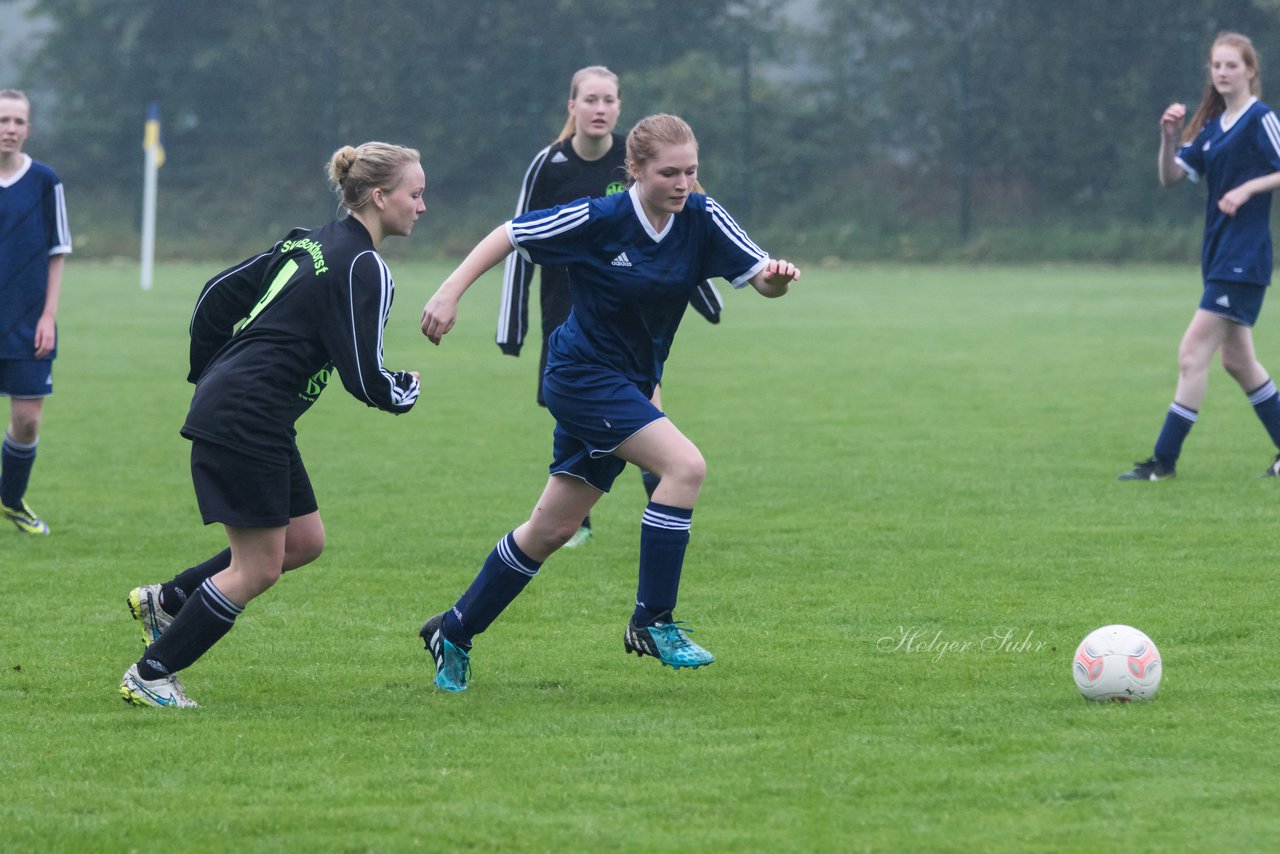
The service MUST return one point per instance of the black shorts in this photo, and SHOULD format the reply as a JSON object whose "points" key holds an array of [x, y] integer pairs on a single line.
{"points": [[243, 492]]}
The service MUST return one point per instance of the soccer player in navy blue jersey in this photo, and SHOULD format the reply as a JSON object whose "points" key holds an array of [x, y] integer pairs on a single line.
{"points": [[586, 160], [267, 336], [1233, 144], [634, 259], [34, 244]]}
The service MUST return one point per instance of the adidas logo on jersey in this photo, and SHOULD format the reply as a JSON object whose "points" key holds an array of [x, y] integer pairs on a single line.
{"points": [[559, 157], [1223, 301], [621, 260]]}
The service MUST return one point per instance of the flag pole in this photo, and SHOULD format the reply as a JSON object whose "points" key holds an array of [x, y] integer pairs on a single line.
{"points": [[153, 154], [149, 218]]}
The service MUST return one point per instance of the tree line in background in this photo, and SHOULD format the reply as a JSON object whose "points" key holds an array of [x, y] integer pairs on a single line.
{"points": [[998, 129]]}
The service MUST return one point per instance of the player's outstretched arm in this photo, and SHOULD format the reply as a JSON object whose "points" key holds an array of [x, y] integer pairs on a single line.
{"points": [[775, 278], [441, 311]]}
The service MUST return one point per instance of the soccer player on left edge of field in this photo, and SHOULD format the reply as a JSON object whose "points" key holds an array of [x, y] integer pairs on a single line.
{"points": [[267, 336], [634, 260], [34, 243]]}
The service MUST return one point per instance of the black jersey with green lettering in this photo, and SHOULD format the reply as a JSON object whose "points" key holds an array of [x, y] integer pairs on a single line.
{"points": [[268, 334]]}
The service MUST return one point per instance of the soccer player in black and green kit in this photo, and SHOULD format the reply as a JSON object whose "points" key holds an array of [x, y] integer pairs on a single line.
{"points": [[266, 337]]}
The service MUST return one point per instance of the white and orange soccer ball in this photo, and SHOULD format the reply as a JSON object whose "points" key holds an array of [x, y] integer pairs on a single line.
{"points": [[1117, 663]]}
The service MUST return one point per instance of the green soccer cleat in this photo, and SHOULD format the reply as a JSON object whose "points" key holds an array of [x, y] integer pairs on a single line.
{"points": [[144, 606], [25, 518], [161, 693], [453, 663], [668, 642], [580, 537]]}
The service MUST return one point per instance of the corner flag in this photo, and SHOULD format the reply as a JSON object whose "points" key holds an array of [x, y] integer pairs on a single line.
{"points": [[151, 139]]}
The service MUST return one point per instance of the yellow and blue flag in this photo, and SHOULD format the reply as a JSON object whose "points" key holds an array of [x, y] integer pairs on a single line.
{"points": [[151, 138]]}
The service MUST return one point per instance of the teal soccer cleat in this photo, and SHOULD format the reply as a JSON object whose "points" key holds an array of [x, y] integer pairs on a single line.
{"points": [[667, 641], [453, 663]]}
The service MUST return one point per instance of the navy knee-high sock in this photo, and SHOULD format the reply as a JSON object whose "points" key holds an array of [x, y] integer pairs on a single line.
{"points": [[1177, 424], [1266, 403], [664, 536], [174, 594], [199, 625], [505, 573], [16, 461]]}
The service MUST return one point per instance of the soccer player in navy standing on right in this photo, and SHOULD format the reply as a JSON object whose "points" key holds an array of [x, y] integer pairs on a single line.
{"points": [[34, 243], [1233, 142], [634, 260]]}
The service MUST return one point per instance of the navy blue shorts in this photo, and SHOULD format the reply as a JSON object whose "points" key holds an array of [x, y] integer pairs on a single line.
{"points": [[596, 410], [1235, 301], [249, 493], [26, 377]]}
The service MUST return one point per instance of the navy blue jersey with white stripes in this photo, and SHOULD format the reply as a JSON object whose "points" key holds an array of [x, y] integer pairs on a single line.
{"points": [[1236, 248], [33, 228], [558, 176], [630, 283], [268, 333]]}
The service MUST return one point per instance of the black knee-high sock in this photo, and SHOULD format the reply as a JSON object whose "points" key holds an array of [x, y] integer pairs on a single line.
{"points": [[174, 594], [16, 461], [207, 617]]}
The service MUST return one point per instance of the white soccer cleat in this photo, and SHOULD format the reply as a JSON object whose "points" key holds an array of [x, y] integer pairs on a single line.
{"points": [[164, 693], [144, 606]]}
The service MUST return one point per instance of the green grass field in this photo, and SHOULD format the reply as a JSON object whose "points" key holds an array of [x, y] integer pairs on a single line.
{"points": [[918, 451]]}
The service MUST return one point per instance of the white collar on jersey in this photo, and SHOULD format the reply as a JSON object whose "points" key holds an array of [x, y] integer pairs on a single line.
{"points": [[17, 176], [1228, 125], [644, 220]]}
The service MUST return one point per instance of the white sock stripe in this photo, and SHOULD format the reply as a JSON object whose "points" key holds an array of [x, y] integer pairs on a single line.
{"points": [[1183, 412], [1268, 389], [14, 445], [666, 521], [220, 605], [506, 553]]}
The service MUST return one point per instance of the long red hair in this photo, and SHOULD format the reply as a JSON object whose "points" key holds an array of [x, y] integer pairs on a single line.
{"points": [[1212, 105]]}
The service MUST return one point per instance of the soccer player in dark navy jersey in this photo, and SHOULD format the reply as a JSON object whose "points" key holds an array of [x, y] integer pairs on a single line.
{"points": [[34, 243], [634, 259], [587, 160], [267, 337], [1232, 143]]}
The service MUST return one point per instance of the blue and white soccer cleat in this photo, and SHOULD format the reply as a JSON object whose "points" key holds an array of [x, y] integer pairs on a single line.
{"points": [[144, 606], [162, 693], [453, 663], [668, 642]]}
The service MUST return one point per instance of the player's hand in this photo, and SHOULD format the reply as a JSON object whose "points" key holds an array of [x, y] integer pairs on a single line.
{"points": [[778, 272], [1171, 121], [46, 337], [1230, 203], [438, 317]]}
